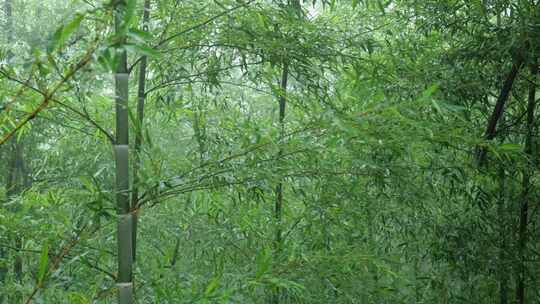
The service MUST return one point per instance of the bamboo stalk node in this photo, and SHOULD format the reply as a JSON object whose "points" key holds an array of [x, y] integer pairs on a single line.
{"points": [[125, 292], [125, 217], [120, 148]]}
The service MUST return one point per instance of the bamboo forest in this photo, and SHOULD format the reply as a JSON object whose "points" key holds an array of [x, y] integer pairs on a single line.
{"points": [[269, 151]]}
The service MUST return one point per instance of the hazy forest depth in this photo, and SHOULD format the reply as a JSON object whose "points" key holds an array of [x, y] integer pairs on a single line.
{"points": [[269, 151]]}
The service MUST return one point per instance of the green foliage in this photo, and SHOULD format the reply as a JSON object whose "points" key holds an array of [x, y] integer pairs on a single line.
{"points": [[387, 105], [43, 261], [64, 32]]}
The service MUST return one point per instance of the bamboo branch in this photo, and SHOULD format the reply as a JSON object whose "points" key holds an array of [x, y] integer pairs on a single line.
{"points": [[48, 97]]}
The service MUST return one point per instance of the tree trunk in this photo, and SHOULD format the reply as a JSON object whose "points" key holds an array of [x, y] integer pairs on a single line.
{"points": [[498, 111], [278, 207], [121, 150], [527, 172], [141, 97], [279, 188]]}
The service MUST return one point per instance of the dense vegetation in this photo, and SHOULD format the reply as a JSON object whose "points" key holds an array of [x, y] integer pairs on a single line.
{"points": [[269, 151]]}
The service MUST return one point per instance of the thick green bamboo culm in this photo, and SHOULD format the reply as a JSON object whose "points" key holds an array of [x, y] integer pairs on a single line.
{"points": [[121, 152], [125, 255]]}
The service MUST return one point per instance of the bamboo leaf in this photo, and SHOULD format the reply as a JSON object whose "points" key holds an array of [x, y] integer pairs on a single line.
{"points": [[509, 147], [436, 106], [141, 49], [263, 263], [43, 261], [129, 12], [212, 286], [55, 40], [432, 89], [72, 26], [148, 138], [63, 33], [139, 35]]}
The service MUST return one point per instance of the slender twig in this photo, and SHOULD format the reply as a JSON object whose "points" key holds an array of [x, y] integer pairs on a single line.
{"points": [[49, 95], [202, 24], [56, 262], [84, 115]]}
